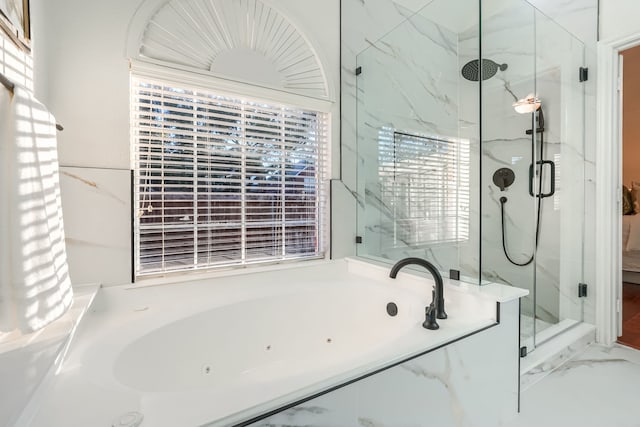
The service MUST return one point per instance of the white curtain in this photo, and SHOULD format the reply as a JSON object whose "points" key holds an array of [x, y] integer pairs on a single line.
{"points": [[35, 287]]}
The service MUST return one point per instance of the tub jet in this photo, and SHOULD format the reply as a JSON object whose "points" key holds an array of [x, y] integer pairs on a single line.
{"points": [[392, 309]]}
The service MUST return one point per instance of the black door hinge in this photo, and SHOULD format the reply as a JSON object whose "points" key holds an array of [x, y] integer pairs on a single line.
{"points": [[358, 71], [523, 351], [582, 290], [358, 239], [584, 74]]}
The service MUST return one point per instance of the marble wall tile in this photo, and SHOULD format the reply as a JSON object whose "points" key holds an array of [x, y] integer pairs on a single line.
{"points": [[97, 217], [580, 18], [547, 43], [542, 58], [409, 83], [362, 24], [330, 410], [472, 382]]}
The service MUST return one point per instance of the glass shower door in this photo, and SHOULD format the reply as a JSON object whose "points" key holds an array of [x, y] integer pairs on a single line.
{"points": [[560, 254], [450, 171], [509, 212], [532, 229]]}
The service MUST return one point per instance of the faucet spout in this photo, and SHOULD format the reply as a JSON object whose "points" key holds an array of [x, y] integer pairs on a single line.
{"points": [[438, 298]]}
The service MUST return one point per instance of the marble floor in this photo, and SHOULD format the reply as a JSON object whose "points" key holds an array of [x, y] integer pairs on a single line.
{"points": [[598, 387]]}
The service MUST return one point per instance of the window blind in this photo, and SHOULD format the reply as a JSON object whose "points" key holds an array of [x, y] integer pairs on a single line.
{"points": [[424, 183], [222, 181]]}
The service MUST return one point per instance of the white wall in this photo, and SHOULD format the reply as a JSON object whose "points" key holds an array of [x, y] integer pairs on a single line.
{"points": [[85, 68], [85, 75], [618, 18]]}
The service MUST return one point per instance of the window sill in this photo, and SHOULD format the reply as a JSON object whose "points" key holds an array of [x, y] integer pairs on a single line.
{"points": [[212, 273]]}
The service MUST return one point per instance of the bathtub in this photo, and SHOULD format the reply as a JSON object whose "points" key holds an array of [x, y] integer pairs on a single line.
{"points": [[225, 350]]}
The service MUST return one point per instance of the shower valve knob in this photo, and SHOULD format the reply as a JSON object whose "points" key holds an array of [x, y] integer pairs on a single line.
{"points": [[503, 178]]}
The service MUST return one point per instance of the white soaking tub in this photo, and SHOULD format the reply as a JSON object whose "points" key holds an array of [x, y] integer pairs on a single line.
{"points": [[224, 350]]}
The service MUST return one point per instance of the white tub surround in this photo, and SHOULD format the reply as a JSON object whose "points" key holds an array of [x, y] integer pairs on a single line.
{"points": [[470, 382], [230, 349], [28, 362]]}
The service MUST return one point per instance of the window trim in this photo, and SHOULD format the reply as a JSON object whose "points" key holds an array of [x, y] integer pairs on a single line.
{"points": [[233, 89], [198, 80]]}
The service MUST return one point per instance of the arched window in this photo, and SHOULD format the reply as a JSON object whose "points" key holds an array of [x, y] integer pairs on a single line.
{"points": [[227, 173]]}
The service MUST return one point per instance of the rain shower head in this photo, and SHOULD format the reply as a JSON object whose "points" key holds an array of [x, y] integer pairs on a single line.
{"points": [[471, 70]]}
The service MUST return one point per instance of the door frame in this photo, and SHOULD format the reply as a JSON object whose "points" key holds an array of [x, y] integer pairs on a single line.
{"points": [[608, 237]]}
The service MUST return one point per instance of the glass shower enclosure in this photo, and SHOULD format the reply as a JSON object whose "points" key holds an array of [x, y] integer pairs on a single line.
{"points": [[451, 171]]}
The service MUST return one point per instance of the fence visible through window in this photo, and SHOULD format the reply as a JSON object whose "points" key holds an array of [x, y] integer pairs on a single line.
{"points": [[224, 181]]}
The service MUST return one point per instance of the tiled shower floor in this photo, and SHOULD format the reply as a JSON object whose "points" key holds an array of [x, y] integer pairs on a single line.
{"points": [[526, 326]]}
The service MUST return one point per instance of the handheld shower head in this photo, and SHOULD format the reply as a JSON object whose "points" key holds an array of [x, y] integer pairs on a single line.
{"points": [[540, 118], [528, 104]]}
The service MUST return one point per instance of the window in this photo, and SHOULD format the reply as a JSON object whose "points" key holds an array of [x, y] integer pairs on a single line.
{"points": [[223, 181], [424, 184]]}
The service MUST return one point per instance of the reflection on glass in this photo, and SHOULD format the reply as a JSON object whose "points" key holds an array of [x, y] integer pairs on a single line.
{"points": [[436, 121], [417, 131]]}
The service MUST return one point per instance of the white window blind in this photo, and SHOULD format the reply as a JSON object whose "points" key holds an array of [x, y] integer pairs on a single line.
{"points": [[424, 183], [222, 181]]}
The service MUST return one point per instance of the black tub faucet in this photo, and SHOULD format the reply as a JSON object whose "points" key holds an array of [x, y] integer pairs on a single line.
{"points": [[437, 303]]}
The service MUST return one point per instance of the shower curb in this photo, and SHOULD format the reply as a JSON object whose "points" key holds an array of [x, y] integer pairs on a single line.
{"points": [[555, 352]]}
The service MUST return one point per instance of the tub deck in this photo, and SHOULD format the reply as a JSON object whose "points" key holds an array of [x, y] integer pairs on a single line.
{"points": [[105, 376]]}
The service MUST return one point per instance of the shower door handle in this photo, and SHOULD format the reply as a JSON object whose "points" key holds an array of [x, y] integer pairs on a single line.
{"points": [[552, 189]]}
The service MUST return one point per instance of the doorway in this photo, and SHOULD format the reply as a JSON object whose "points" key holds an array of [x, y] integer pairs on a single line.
{"points": [[629, 332]]}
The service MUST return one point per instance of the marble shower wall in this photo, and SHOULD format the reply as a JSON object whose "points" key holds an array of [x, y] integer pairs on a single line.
{"points": [[529, 41], [543, 58], [566, 240], [363, 23], [581, 20], [408, 83]]}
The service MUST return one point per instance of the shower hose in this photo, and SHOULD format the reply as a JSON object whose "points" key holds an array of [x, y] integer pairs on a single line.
{"points": [[503, 200]]}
